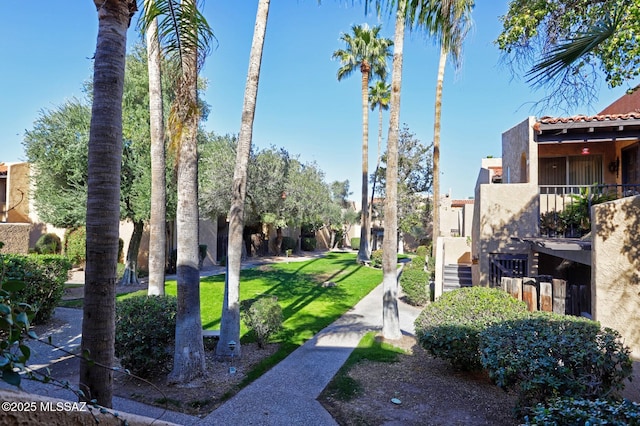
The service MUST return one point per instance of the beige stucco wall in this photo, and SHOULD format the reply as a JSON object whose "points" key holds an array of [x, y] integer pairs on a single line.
{"points": [[456, 250], [18, 193], [502, 211], [15, 237], [615, 275], [519, 154]]}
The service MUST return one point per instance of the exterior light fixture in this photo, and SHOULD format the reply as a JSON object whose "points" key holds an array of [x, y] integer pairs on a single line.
{"points": [[585, 151], [232, 347]]}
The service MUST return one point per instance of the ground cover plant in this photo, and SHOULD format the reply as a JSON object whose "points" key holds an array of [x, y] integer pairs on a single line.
{"points": [[570, 411]]}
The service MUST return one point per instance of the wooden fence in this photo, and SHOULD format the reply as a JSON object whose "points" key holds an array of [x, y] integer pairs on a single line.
{"points": [[550, 295]]}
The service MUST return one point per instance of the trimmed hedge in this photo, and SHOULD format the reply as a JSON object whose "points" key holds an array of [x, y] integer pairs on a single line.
{"points": [[355, 243], [48, 244], [288, 243], [413, 281], [75, 245], [145, 326], [449, 328], [570, 412], [44, 276], [549, 355]]}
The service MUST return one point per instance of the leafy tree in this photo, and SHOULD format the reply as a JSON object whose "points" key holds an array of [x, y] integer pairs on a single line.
{"points": [[415, 179], [217, 158], [341, 213], [560, 44], [230, 321], [365, 51]]}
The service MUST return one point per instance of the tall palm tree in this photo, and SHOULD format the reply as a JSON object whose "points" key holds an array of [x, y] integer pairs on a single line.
{"points": [[451, 24], [390, 314], [186, 35], [157, 222], [379, 97], [103, 199], [230, 321], [365, 51]]}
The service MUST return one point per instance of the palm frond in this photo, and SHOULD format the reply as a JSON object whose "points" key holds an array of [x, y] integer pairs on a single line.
{"points": [[562, 56]]}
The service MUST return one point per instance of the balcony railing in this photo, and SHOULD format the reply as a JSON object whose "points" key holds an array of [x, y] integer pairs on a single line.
{"points": [[565, 210]]}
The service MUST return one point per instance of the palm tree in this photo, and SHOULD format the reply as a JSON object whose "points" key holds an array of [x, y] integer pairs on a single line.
{"points": [[103, 200], [157, 222], [230, 321], [368, 53], [379, 97], [390, 314], [452, 22], [186, 34]]}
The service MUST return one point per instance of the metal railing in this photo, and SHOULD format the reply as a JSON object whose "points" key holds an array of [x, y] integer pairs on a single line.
{"points": [[565, 210]]}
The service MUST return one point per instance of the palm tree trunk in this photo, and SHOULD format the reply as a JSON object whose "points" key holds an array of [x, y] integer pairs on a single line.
{"points": [[157, 222], [436, 148], [103, 200], [130, 276], [189, 357], [230, 321], [390, 314], [375, 175], [365, 228]]}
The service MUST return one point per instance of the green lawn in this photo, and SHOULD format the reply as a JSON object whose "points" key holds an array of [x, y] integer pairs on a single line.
{"points": [[307, 306]]}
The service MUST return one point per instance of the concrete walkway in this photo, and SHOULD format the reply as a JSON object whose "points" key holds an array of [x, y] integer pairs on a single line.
{"points": [[287, 393]]}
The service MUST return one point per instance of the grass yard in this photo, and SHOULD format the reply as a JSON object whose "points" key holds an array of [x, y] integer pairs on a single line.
{"points": [[307, 305]]}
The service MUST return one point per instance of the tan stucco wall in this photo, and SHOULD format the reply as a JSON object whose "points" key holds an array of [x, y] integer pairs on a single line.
{"points": [[18, 193], [518, 145], [456, 250], [615, 275], [15, 237], [502, 211], [69, 414]]}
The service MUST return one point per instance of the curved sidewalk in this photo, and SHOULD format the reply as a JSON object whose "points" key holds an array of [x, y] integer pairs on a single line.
{"points": [[287, 393]]}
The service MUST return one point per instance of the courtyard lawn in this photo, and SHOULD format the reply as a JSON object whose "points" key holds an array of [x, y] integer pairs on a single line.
{"points": [[307, 305]]}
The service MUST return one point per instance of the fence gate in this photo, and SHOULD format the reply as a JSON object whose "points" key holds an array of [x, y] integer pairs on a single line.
{"points": [[506, 265]]}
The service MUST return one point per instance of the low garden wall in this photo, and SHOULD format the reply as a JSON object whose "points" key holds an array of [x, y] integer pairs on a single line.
{"points": [[15, 237]]}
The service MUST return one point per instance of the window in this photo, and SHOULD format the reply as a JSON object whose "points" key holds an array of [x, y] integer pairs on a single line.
{"points": [[574, 170]]}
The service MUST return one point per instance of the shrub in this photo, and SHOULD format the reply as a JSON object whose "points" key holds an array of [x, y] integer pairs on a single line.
{"points": [[550, 355], [48, 244], [355, 243], [202, 254], [75, 245], [145, 325], [418, 262], [44, 276], [288, 243], [263, 317], [449, 327], [421, 251], [14, 329], [309, 244], [376, 258], [414, 285], [569, 412]]}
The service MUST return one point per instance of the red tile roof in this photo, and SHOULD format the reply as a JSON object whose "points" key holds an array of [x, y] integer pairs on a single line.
{"points": [[589, 118]]}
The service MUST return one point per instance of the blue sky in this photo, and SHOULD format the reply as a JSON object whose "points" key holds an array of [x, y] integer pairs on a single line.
{"points": [[47, 50]]}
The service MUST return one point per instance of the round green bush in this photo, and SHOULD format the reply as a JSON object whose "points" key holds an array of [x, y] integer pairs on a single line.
{"points": [[549, 355], [145, 327], [421, 251], [288, 243], [263, 317], [449, 327], [376, 258], [414, 283], [570, 412], [48, 244]]}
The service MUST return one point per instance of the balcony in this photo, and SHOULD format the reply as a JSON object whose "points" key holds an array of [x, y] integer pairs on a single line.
{"points": [[565, 210]]}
